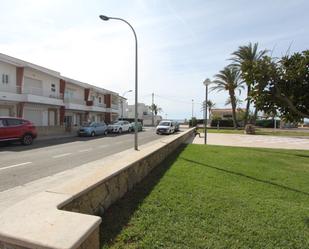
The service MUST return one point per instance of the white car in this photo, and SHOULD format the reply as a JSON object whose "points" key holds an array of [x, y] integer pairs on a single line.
{"points": [[165, 127], [119, 127]]}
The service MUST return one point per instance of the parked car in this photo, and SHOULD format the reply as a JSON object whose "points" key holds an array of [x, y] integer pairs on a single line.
{"points": [[139, 126], [17, 129], [119, 127], [165, 127], [92, 129], [176, 124]]}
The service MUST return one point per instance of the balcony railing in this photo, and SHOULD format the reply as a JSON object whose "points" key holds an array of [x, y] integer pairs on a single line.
{"points": [[78, 101], [9, 88], [115, 107], [39, 92], [96, 103]]}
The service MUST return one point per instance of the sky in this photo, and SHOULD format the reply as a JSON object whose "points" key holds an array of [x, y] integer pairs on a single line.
{"points": [[180, 42]]}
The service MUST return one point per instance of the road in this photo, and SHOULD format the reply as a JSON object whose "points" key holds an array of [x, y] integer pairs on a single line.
{"points": [[22, 164]]}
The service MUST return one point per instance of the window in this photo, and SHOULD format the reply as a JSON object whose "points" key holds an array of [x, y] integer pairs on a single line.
{"points": [[53, 87], [100, 100], [2, 123], [5, 78], [13, 122]]}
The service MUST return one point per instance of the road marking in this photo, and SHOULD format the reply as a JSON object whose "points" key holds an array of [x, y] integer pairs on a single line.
{"points": [[85, 150], [62, 155], [15, 165]]}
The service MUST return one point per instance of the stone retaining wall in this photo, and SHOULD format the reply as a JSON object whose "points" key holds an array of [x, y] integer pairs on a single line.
{"points": [[42, 221]]}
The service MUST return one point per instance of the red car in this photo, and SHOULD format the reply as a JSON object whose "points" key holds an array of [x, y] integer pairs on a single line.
{"points": [[17, 129]]}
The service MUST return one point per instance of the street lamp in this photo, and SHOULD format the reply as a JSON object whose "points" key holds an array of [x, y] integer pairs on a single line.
{"points": [[206, 83], [106, 18], [122, 102]]}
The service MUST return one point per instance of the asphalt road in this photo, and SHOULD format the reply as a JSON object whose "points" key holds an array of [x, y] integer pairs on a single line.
{"points": [[22, 164]]}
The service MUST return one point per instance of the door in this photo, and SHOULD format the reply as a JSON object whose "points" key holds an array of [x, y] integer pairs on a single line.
{"points": [[14, 128], [34, 115], [3, 129], [51, 117]]}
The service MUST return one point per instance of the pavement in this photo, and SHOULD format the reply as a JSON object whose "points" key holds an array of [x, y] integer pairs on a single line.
{"points": [[258, 141]]}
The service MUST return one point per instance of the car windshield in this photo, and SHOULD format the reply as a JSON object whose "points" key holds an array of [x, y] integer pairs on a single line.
{"points": [[165, 123], [117, 123]]}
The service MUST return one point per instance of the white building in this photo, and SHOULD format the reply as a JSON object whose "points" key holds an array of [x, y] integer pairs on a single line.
{"points": [[144, 114], [46, 98]]}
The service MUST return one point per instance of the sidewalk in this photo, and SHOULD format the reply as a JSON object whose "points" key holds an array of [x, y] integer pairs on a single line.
{"points": [[59, 136], [258, 141]]}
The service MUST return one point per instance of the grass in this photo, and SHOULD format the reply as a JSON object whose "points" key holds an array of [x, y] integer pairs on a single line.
{"points": [[269, 132], [216, 197]]}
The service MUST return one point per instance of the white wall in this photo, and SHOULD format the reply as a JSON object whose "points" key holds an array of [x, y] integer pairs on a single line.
{"points": [[46, 79], [11, 71]]}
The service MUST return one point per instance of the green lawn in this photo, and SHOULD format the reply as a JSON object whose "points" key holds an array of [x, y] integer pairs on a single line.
{"points": [[216, 197], [269, 132]]}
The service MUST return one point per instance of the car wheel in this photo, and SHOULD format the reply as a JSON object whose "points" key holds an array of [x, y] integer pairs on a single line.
{"points": [[105, 132], [27, 139], [92, 134], [120, 131]]}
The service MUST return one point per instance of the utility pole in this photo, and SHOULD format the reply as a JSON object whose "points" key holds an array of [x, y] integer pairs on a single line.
{"points": [[152, 109], [192, 108]]}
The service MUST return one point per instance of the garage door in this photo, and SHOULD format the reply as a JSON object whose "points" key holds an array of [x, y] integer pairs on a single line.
{"points": [[4, 112], [35, 116]]}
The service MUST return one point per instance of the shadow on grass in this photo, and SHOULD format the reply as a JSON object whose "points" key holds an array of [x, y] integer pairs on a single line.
{"points": [[118, 215], [246, 176], [290, 153]]}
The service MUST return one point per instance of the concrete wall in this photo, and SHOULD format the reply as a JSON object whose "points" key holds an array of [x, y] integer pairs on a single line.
{"points": [[92, 193]]}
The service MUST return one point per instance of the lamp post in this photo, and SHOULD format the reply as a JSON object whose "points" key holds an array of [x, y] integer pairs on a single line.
{"points": [[106, 18], [206, 83], [122, 102]]}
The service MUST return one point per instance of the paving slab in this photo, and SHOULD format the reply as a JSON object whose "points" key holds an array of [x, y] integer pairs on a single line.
{"points": [[258, 141]]}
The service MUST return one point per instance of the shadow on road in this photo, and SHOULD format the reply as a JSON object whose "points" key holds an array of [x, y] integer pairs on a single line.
{"points": [[119, 214]]}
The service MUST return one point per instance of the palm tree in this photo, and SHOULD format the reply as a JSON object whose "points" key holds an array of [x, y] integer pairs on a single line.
{"points": [[229, 79], [154, 108], [245, 58], [209, 105]]}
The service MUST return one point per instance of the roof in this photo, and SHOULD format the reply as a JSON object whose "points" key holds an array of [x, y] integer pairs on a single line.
{"points": [[20, 63], [226, 109]]}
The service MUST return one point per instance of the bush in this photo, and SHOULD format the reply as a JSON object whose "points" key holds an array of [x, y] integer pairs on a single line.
{"points": [[193, 122], [267, 123], [222, 123]]}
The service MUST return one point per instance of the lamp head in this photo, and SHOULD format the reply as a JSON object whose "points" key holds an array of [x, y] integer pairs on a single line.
{"points": [[207, 82], [104, 18]]}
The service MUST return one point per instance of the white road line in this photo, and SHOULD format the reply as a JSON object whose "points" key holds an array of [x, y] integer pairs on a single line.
{"points": [[85, 150], [62, 155], [15, 165]]}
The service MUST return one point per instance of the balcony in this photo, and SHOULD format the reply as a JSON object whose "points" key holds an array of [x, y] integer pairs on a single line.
{"points": [[11, 93], [75, 104], [37, 95]]}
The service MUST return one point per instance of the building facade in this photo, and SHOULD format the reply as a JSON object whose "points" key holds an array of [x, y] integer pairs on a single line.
{"points": [[46, 98]]}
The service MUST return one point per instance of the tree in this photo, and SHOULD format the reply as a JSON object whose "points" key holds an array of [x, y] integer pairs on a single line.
{"points": [[283, 86], [229, 79], [209, 105], [154, 108], [245, 59]]}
